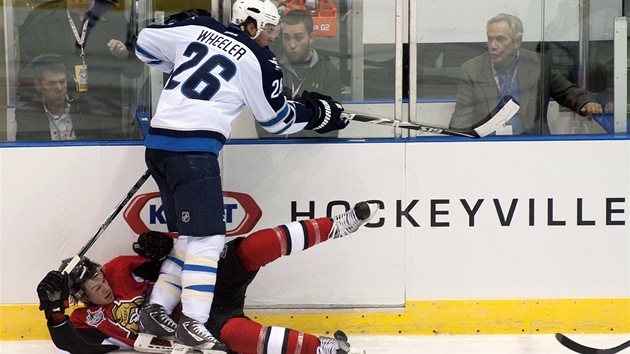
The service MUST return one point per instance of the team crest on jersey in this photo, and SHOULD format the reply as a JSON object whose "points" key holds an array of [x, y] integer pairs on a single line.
{"points": [[274, 61], [94, 318], [126, 314], [185, 216]]}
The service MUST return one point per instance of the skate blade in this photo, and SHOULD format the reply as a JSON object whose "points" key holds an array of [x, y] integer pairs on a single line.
{"points": [[356, 351], [180, 349], [144, 343], [184, 349]]}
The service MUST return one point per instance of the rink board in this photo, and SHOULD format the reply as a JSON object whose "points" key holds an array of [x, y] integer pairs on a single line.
{"points": [[437, 317], [484, 228]]}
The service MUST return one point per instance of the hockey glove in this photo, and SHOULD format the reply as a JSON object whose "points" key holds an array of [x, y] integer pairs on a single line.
{"points": [[308, 96], [154, 245], [53, 293], [326, 115]]}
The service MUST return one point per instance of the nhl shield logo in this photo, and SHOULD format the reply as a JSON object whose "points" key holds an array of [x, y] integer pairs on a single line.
{"points": [[185, 216]]}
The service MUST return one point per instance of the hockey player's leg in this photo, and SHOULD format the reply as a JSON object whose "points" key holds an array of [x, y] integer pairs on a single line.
{"points": [[198, 281], [265, 246], [196, 181], [166, 294], [243, 335]]}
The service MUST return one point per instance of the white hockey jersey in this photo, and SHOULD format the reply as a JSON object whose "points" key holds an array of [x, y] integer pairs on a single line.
{"points": [[214, 72]]}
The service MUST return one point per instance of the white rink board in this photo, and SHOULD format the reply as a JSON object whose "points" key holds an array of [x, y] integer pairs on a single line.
{"points": [[52, 200], [488, 260], [363, 269]]}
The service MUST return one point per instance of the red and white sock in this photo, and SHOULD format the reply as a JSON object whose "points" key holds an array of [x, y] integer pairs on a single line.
{"points": [[265, 246]]}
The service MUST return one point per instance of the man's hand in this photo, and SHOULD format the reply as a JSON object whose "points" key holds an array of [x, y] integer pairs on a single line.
{"points": [[53, 293], [117, 49], [590, 109], [326, 113], [609, 108]]}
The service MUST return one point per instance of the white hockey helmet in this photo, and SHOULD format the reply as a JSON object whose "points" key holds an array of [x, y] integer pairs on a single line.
{"points": [[263, 11]]}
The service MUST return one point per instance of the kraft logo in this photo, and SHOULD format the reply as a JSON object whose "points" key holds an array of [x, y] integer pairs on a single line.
{"points": [[145, 212]]}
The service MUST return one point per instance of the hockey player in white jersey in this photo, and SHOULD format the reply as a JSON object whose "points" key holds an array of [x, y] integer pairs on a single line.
{"points": [[214, 72]]}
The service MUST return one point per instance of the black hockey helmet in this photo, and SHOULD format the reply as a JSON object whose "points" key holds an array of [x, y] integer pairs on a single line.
{"points": [[82, 272]]}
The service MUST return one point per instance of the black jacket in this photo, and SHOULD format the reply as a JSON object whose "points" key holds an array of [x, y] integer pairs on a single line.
{"points": [[47, 30], [33, 124]]}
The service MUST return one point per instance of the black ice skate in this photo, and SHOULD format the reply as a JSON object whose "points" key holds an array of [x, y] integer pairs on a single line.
{"points": [[192, 335], [154, 323], [350, 221]]}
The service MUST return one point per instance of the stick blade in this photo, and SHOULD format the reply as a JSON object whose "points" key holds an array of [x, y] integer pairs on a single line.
{"points": [[576, 347], [70, 266], [499, 119], [579, 348]]}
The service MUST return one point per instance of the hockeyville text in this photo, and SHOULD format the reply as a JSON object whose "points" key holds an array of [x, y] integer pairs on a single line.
{"points": [[437, 213]]}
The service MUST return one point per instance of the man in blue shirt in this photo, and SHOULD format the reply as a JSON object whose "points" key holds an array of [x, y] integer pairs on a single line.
{"points": [[507, 70]]}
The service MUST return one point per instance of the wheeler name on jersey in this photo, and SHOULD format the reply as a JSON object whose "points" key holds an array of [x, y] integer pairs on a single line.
{"points": [[228, 45]]}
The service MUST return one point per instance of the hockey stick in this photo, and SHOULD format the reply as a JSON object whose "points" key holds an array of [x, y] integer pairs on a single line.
{"points": [[76, 259], [486, 126], [579, 348]]}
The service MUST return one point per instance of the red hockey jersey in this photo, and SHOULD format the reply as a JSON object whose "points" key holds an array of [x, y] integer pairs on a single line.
{"points": [[118, 320]]}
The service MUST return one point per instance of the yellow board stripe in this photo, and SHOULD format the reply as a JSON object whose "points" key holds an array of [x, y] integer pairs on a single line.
{"points": [[22, 322], [592, 316], [470, 317]]}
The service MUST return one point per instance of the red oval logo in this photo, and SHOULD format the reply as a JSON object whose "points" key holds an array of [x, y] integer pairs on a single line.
{"points": [[144, 212]]}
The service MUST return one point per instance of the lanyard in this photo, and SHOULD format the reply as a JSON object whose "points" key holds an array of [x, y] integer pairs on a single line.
{"points": [[80, 39], [512, 78], [294, 90]]}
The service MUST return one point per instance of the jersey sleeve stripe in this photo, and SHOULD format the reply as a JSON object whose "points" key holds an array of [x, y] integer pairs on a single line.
{"points": [[154, 60], [281, 131], [272, 122], [284, 113]]}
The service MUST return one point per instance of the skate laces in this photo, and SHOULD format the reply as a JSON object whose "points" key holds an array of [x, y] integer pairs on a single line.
{"points": [[161, 315], [159, 318], [164, 318], [199, 329], [345, 224], [327, 346]]}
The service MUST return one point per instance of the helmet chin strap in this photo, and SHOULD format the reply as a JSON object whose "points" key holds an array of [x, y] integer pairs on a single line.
{"points": [[244, 29], [258, 31]]}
